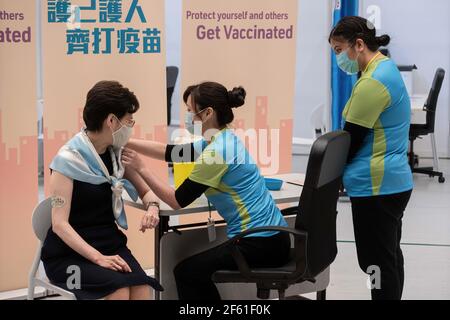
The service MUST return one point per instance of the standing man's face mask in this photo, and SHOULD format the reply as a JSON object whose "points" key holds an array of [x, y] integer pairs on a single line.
{"points": [[121, 136], [346, 64]]}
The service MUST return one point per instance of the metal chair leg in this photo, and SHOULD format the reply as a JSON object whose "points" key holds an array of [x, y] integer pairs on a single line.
{"points": [[411, 153], [31, 286], [33, 272], [435, 154]]}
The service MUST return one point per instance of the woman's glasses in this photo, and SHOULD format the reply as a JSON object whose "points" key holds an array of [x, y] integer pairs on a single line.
{"points": [[127, 122]]}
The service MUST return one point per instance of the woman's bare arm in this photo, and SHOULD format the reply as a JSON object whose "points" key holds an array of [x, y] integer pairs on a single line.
{"points": [[61, 188], [151, 217], [145, 193], [165, 192]]}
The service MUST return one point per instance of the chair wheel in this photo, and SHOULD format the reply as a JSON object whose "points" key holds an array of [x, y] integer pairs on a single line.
{"points": [[441, 179]]}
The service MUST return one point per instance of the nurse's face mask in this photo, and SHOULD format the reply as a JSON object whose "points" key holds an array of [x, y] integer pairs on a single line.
{"points": [[122, 135], [191, 125], [346, 64]]}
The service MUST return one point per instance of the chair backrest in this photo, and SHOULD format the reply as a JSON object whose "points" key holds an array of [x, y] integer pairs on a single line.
{"points": [[318, 201], [433, 97], [171, 76], [171, 80], [42, 218]]}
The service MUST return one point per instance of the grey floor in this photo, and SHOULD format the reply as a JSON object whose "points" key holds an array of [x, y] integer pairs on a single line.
{"points": [[425, 243]]}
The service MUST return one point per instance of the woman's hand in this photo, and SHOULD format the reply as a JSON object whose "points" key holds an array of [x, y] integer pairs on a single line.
{"points": [[150, 219], [130, 158], [115, 263]]}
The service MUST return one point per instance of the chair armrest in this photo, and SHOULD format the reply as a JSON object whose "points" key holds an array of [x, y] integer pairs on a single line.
{"points": [[293, 231], [239, 258], [425, 108], [290, 211]]}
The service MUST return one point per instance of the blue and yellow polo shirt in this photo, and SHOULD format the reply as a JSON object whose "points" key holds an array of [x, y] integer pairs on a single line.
{"points": [[236, 187], [380, 102]]}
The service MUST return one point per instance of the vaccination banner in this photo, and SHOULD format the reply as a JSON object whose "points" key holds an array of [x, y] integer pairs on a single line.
{"points": [[249, 43], [18, 140], [86, 41]]}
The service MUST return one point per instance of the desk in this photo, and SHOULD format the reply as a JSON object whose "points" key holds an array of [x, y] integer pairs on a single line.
{"points": [[289, 193], [418, 116], [169, 237], [417, 103]]}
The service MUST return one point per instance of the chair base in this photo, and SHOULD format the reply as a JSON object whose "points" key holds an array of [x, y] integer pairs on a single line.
{"points": [[414, 160], [430, 172], [48, 286], [320, 296]]}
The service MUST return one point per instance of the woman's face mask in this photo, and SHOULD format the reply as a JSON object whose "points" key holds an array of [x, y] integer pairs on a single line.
{"points": [[121, 136], [189, 123], [346, 64]]}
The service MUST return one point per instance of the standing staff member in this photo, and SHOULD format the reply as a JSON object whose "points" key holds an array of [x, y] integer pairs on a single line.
{"points": [[377, 178]]}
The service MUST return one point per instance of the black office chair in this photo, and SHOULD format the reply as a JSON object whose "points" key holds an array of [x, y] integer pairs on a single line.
{"points": [[171, 80], [418, 130], [315, 225]]}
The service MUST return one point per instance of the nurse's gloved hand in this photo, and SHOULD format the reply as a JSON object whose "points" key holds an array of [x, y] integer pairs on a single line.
{"points": [[131, 159]]}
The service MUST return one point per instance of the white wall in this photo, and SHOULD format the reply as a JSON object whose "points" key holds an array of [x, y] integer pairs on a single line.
{"points": [[173, 49], [312, 86], [313, 63], [420, 31]]}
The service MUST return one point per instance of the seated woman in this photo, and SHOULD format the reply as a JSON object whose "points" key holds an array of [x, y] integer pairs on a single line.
{"points": [[86, 186]]}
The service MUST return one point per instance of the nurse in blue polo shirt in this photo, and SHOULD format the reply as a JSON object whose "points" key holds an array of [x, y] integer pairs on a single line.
{"points": [[377, 178], [225, 172]]}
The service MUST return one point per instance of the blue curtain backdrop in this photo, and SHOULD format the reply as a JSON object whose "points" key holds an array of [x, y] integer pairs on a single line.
{"points": [[341, 83]]}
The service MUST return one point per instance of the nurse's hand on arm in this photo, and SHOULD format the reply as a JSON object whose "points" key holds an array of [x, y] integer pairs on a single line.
{"points": [[61, 188], [176, 199]]}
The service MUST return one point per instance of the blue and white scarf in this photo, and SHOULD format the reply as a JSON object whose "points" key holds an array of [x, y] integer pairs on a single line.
{"points": [[79, 160]]}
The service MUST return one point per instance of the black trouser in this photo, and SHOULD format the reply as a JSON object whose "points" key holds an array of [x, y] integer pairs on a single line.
{"points": [[193, 275], [377, 224]]}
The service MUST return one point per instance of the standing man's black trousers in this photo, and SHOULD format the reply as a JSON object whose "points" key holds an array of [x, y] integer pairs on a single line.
{"points": [[377, 224]]}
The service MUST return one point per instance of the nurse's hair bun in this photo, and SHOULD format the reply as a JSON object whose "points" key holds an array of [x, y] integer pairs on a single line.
{"points": [[236, 97], [383, 40]]}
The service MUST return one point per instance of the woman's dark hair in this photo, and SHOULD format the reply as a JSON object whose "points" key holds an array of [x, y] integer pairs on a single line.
{"points": [[353, 28], [107, 97], [216, 96]]}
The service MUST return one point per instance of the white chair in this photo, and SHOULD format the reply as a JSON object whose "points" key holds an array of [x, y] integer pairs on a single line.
{"points": [[42, 221], [318, 123]]}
